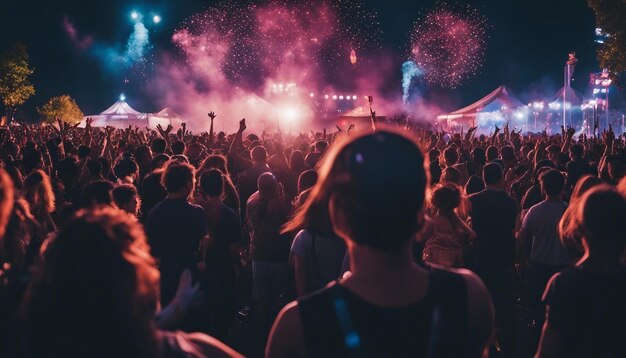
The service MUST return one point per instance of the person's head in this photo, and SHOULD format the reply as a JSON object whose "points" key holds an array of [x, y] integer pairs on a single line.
{"points": [[83, 152], [215, 161], [106, 166], [492, 175], [492, 153], [433, 155], [576, 151], [127, 198], [616, 166], [601, 221], [126, 169], [259, 154], [446, 197], [98, 193], [212, 183], [194, 151], [478, 156], [450, 156], [475, 184], [373, 186], [6, 200], [507, 153], [267, 186], [553, 151], [152, 191], [37, 190], [178, 147], [320, 146], [143, 154], [98, 281], [179, 179], [583, 184], [158, 145], [94, 167], [306, 180], [159, 160], [451, 175], [552, 183], [296, 161]]}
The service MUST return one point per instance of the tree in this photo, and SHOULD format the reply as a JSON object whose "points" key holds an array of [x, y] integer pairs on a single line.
{"points": [[611, 18], [63, 107], [15, 88]]}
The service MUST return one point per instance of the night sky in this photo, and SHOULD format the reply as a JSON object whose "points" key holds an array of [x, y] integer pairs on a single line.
{"points": [[527, 46]]}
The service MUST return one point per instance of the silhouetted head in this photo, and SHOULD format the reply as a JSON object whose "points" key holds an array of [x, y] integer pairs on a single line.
{"points": [[179, 178], [492, 174], [552, 182], [374, 187], [212, 183], [446, 197]]}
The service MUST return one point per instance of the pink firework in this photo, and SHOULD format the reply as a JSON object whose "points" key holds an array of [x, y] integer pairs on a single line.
{"points": [[449, 45]]}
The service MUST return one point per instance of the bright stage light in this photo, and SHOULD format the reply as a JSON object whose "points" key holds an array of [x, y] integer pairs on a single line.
{"points": [[134, 15], [312, 94], [325, 96], [354, 98], [340, 97], [290, 113], [156, 19], [335, 96], [122, 97]]}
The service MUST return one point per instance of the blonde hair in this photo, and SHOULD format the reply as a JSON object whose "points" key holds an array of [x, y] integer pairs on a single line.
{"points": [[38, 191]]}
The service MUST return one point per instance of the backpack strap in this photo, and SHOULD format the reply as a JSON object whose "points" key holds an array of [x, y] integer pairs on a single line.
{"points": [[449, 324]]}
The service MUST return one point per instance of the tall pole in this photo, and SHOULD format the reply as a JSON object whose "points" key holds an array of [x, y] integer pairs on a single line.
{"points": [[565, 86]]}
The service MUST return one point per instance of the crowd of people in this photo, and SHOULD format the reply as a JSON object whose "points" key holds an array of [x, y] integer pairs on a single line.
{"points": [[390, 242]]}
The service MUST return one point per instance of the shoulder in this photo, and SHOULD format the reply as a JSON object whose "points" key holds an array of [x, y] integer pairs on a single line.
{"points": [[196, 345], [286, 337]]}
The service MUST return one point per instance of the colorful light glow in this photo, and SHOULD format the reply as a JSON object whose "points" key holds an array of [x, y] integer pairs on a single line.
{"points": [[134, 15], [449, 45], [156, 19]]}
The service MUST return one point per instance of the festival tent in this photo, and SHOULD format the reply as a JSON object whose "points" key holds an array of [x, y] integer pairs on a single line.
{"points": [[572, 97], [358, 116], [496, 108], [119, 115], [164, 117]]}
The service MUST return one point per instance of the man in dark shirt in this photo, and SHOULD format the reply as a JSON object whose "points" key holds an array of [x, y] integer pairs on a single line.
{"points": [[494, 215], [578, 166], [175, 228]]}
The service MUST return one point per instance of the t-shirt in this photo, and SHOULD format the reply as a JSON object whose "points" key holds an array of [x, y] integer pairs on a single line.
{"points": [[328, 255], [493, 215], [577, 168], [265, 219], [175, 228], [587, 309], [541, 222]]}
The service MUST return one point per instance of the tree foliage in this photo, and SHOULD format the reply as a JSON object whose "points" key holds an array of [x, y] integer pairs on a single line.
{"points": [[15, 88], [63, 107], [611, 18]]}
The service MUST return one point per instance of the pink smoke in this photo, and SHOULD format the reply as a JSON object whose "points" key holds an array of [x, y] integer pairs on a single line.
{"points": [[81, 42]]}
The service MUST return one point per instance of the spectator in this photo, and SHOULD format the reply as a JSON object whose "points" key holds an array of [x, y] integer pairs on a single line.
{"points": [[586, 315], [493, 214], [110, 306], [175, 228], [386, 288], [547, 255], [38, 193], [127, 199]]}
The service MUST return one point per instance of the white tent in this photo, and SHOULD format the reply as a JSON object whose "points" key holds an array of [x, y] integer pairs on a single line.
{"points": [[164, 117], [497, 107], [119, 115]]}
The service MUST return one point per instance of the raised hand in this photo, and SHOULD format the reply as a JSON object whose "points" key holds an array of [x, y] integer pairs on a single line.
{"points": [[242, 125], [88, 122], [212, 115]]}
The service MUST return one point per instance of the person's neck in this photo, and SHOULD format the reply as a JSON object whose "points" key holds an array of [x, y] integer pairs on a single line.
{"points": [[553, 198], [387, 279], [498, 187], [178, 195]]}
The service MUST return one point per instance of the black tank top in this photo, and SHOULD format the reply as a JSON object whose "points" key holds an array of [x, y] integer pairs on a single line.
{"points": [[338, 323]]}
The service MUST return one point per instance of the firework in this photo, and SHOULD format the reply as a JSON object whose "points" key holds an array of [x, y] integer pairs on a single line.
{"points": [[283, 40], [449, 45]]}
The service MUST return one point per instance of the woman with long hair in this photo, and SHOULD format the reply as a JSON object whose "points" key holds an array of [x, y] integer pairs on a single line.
{"points": [[374, 186], [38, 193], [95, 294], [571, 239], [219, 162]]}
